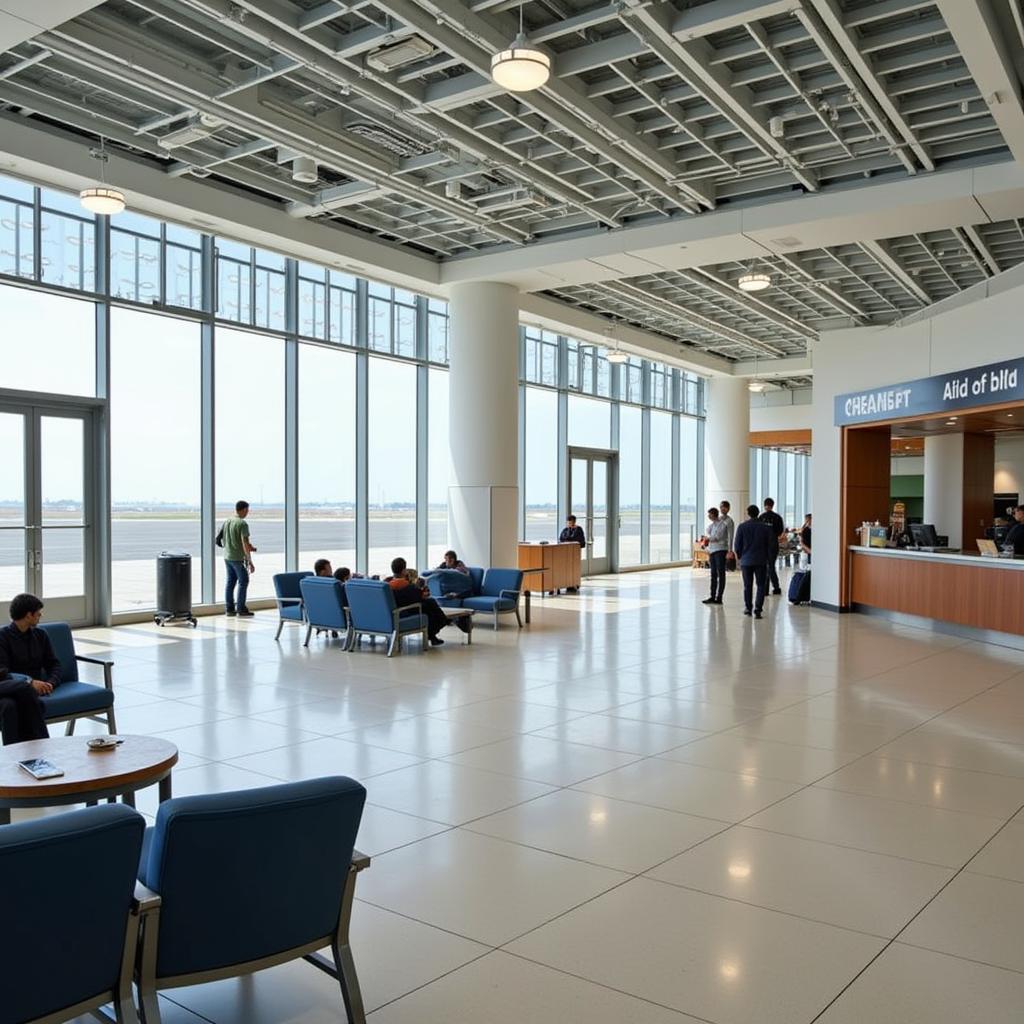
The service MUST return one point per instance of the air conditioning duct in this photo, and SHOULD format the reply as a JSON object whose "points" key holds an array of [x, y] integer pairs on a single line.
{"points": [[406, 51], [195, 129], [304, 171]]}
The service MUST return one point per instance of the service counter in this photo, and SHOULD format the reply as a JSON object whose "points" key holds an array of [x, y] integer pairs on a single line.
{"points": [[960, 588], [559, 561]]}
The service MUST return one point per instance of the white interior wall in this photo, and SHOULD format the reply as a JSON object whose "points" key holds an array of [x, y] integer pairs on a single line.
{"points": [[1009, 465], [986, 331], [907, 465], [781, 411]]}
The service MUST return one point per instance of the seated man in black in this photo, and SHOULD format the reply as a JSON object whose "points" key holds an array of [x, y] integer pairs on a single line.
{"points": [[407, 593], [322, 567], [572, 533], [25, 650]]}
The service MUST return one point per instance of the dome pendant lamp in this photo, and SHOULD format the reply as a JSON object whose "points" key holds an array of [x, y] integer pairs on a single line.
{"points": [[522, 67]]}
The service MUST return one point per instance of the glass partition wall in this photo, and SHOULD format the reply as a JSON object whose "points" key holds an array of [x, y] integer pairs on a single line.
{"points": [[230, 372]]}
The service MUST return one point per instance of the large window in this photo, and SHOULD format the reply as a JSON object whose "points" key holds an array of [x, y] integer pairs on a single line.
{"points": [[17, 228], [438, 460], [249, 424], [327, 456], [155, 437], [689, 514], [589, 422], [630, 469], [48, 342], [68, 242], [392, 463], [541, 465], [661, 488]]}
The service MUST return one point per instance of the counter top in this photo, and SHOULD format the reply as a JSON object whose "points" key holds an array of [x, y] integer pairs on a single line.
{"points": [[961, 557]]}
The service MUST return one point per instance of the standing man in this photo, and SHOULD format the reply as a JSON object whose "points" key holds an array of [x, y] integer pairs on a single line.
{"points": [[237, 560], [778, 528], [805, 537], [25, 651], [1015, 538], [753, 547], [730, 552], [717, 548]]}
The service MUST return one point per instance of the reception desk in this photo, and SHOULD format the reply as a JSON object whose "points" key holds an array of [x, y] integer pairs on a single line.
{"points": [[560, 562], [962, 589]]}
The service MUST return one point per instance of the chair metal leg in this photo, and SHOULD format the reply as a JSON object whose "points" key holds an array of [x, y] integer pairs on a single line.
{"points": [[518, 619], [309, 631], [69, 729], [149, 1008], [280, 626], [393, 643], [111, 723], [352, 995]]}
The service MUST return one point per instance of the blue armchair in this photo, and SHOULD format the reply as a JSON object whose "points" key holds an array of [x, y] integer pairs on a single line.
{"points": [[326, 606], [372, 610], [73, 919], [249, 880], [71, 698], [493, 591], [289, 598]]}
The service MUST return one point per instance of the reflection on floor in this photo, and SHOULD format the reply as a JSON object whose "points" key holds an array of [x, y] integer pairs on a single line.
{"points": [[637, 809]]}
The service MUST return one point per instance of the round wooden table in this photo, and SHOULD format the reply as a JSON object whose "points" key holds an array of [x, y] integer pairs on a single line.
{"points": [[89, 775]]}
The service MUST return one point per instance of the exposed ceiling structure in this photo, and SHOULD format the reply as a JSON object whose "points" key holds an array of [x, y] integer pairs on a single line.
{"points": [[380, 117]]}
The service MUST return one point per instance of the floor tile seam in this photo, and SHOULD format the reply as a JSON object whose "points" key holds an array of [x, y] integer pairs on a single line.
{"points": [[187, 1009], [682, 1014], [772, 910], [542, 782], [915, 803], [490, 947], [412, 842], [936, 730], [997, 878], [426, 984], [781, 743], [957, 956], [228, 764]]}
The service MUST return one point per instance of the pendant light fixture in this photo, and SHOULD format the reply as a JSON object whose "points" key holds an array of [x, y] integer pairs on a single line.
{"points": [[756, 385], [522, 67], [754, 281], [615, 354], [102, 198]]}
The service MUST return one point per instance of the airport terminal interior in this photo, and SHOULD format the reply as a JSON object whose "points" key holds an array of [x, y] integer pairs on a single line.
{"points": [[512, 510]]}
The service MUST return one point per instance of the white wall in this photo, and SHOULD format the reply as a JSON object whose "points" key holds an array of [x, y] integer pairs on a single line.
{"points": [[985, 331], [907, 465], [781, 410], [1009, 465]]}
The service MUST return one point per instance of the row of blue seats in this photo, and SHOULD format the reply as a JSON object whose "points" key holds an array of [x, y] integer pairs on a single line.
{"points": [[221, 886], [367, 607]]}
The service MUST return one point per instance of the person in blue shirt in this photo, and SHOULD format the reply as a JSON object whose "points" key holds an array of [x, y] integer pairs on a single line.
{"points": [[753, 545]]}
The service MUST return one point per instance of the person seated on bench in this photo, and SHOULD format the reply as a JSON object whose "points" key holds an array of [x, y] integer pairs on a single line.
{"points": [[322, 567], [452, 561], [27, 651], [407, 593]]}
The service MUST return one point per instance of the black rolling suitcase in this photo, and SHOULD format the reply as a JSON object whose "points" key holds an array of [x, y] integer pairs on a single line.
{"points": [[800, 587]]}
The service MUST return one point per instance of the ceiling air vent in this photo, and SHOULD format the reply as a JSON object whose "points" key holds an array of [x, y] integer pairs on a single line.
{"points": [[385, 138], [202, 126], [406, 51]]}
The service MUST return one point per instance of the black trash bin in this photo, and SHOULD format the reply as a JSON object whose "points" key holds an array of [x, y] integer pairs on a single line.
{"points": [[174, 588]]}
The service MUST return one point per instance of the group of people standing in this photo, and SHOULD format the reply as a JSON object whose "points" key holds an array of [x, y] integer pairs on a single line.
{"points": [[753, 546]]}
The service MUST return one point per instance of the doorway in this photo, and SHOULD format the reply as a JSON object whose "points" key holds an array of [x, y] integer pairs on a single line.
{"points": [[47, 508], [590, 499]]}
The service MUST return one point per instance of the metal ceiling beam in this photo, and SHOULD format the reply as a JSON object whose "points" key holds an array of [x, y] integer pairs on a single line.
{"points": [[879, 252], [986, 253], [707, 278], [692, 61], [986, 51], [558, 101]]}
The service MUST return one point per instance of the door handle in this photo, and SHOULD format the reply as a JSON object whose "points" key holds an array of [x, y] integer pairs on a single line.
{"points": [[31, 556], [39, 559]]}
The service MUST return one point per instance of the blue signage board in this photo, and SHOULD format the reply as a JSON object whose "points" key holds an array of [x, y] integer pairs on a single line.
{"points": [[964, 389]]}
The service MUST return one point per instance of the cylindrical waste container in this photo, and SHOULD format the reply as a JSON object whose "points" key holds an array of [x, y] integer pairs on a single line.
{"points": [[174, 587]]}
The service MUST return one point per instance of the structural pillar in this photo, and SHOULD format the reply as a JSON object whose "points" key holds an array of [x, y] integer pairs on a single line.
{"points": [[959, 470], [727, 445], [483, 431]]}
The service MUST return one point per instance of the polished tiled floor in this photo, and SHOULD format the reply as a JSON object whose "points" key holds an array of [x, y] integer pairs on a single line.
{"points": [[638, 809]]}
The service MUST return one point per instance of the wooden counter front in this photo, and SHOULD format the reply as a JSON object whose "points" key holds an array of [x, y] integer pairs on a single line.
{"points": [[560, 562], [969, 591]]}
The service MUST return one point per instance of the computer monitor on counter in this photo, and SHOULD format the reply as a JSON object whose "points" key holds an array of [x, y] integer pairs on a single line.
{"points": [[924, 535]]}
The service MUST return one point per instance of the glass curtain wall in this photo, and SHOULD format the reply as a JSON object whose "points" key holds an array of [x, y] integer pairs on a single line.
{"points": [[650, 414], [784, 476], [237, 372]]}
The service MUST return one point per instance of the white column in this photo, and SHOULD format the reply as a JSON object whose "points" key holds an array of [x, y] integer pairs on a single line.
{"points": [[944, 485], [727, 445], [483, 417]]}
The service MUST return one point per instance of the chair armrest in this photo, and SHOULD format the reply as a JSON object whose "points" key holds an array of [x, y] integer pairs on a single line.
{"points": [[108, 680], [360, 861], [144, 901], [514, 594], [397, 614], [288, 600]]}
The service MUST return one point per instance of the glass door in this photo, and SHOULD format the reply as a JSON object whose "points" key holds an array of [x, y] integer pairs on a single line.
{"points": [[46, 542], [590, 488]]}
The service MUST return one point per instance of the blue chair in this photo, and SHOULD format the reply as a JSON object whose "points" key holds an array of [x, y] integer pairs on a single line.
{"points": [[289, 598], [249, 880], [449, 587], [71, 698], [326, 606], [492, 591], [71, 914], [372, 611]]}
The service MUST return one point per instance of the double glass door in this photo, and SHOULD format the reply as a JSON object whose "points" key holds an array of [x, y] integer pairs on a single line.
{"points": [[46, 542], [591, 475]]}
